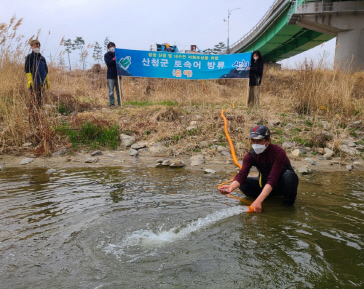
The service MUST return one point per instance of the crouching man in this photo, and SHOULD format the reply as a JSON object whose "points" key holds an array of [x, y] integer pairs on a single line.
{"points": [[276, 175]]}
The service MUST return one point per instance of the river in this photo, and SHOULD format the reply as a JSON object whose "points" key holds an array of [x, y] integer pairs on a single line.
{"points": [[170, 228]]}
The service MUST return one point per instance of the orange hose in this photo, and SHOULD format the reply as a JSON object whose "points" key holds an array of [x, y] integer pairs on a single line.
{"points": [[205, 86], [229, 139], [229, 181], [251, 209]]}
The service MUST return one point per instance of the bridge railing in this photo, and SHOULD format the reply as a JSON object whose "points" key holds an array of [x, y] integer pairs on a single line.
{"points": [[294, 7], [256, 27], [302, 7], [314, 7]]}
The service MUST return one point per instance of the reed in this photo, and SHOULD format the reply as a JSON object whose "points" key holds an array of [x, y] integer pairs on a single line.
{"points": [[162, 109]]}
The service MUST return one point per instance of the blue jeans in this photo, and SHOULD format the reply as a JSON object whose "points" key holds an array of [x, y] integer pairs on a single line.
{"points": [[113, 83]]}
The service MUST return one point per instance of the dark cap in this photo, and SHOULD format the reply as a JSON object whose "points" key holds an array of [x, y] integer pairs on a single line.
{"points": [[259, 132], [35, 41]]}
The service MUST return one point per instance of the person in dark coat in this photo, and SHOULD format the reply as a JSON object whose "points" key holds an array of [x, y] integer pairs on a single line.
{"points": [[112, 75], [276, 175], [36, 70], [255, 79]]}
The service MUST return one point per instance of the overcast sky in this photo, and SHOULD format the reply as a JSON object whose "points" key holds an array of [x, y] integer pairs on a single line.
{"points": [[136, 24]]}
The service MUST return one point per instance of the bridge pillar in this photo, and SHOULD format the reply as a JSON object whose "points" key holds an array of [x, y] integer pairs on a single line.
{"points": [[349, 50], [345, 20]]}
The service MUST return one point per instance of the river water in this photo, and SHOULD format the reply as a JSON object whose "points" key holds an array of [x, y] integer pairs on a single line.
{"points": [[165, 228]]}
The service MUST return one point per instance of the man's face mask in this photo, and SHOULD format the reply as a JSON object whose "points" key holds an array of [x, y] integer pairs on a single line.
{"points": [[36, 50], [259, 148], [112, 49]]}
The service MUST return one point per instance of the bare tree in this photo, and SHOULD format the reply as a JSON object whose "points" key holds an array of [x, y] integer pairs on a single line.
{"points": [[97, 55], [61, 61], [79, 43], [69, 47], [106, 42]]}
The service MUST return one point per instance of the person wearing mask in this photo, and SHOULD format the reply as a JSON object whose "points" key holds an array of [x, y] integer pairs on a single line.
{"points": [[276, 175], [36, 70], [255, 79], [112, 75]]}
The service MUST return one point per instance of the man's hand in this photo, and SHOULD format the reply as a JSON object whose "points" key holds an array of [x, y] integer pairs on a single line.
{"points": [[257, 205], [30, 80], [225, 189], [48, 84]]}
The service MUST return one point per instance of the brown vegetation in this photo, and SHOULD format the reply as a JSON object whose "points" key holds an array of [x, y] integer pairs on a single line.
{"points": [[162, 109]]}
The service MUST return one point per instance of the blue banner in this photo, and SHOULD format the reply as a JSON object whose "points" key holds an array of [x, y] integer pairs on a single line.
{"points": [[162, 64]]}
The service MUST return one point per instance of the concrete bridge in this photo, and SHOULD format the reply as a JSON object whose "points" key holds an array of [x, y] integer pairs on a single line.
{"points": [[292, 26]]}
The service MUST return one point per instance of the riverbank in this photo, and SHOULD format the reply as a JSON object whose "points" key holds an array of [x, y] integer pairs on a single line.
{"points": [[181, 125], [214, 159], [316, 115]]}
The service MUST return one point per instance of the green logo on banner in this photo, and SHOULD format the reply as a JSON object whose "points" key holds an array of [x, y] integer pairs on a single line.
{"points": [[125, 62]]}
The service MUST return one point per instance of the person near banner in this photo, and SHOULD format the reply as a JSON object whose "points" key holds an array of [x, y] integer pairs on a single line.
{"points": [[276, 175], [112, 76], [170, 49], [255, 79], [36, 70]]}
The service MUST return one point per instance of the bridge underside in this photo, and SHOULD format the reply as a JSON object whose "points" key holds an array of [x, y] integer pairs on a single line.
{"points": [[281, 41], [303, 40], [292, 27]]}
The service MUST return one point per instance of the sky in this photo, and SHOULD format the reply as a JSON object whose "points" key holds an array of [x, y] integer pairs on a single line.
{"points": [[136, 24]]}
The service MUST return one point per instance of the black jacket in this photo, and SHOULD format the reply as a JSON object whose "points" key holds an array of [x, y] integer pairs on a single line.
{"points": [[256, 73], [36, 64], [111, 65]]}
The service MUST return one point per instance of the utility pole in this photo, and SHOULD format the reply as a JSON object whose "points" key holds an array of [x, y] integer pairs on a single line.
{"points": [[228, 21]]}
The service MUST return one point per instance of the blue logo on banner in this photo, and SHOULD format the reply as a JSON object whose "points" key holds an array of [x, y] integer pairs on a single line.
{"points": [[162, 64]]}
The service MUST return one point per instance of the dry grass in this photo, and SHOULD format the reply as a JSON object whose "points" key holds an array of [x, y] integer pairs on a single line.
{"points": [[162, 109]]}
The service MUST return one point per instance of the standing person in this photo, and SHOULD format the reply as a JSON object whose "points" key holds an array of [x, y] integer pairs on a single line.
{"points": [[36, 70], [255, 79], [112, 75], [276, 175]]}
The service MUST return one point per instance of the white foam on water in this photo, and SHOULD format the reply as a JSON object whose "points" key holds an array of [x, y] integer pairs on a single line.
{"points": [[147, 239]]}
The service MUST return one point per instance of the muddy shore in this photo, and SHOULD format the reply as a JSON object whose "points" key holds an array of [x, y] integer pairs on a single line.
{"points": [[217, 163]]}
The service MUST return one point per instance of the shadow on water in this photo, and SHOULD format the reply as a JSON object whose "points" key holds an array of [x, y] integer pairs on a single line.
{"points": [[161, 228]]}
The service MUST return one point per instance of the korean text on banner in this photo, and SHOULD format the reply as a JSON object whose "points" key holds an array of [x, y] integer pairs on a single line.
{"points": [[159, 64]]}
